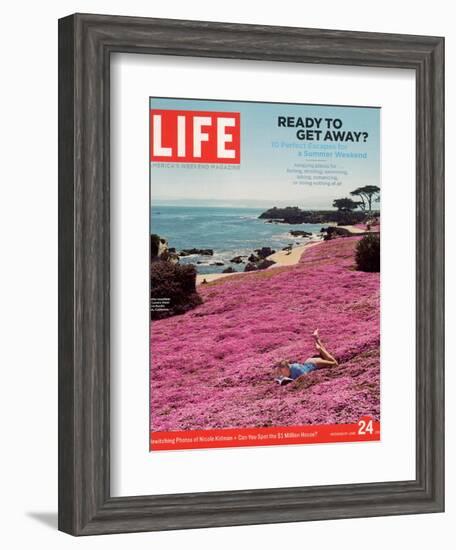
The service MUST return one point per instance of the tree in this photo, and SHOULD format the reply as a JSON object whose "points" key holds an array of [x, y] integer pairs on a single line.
{"points": [[368, 194], [345, 205]]}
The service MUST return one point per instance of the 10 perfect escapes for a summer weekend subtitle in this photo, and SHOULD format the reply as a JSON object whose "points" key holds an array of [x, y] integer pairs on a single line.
{"points": [[201, 140]]}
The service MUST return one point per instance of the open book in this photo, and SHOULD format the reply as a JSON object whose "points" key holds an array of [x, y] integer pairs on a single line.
{"points": [[282, 380]]}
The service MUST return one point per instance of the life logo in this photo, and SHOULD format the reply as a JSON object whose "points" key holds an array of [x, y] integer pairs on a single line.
{"points": [[195, 136]]}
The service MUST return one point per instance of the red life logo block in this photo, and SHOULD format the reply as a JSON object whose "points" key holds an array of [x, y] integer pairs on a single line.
{"points": [[195, 136]]}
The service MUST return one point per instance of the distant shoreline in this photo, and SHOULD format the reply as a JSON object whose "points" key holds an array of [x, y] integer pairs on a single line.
{"points": [[156, 204]]}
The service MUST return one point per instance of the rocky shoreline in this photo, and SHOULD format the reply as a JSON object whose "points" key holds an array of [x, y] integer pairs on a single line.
{"points": [[259, 258], [334, 224], [293, 215]]}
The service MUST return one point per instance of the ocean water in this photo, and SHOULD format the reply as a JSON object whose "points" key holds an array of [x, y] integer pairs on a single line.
{"points": [[228, 231]]}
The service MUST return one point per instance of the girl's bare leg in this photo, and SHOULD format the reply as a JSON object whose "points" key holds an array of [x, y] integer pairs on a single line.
{"points": [[324, 352]]}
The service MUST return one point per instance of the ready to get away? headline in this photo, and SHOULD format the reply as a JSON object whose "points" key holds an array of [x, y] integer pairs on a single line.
{"points": [[214, 137], [321, 129]]}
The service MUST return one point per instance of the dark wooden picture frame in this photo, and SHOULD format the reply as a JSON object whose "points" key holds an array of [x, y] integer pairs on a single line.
{"points": [[85, 45]]}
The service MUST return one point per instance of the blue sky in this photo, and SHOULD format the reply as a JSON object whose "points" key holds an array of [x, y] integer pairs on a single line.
{"points": [[267, 174]]}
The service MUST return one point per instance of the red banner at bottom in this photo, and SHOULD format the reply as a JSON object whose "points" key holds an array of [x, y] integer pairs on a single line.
{"points": [[364, 430]]}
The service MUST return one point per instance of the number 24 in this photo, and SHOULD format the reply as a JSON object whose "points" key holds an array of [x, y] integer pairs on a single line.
{"points": [[365, 427]]}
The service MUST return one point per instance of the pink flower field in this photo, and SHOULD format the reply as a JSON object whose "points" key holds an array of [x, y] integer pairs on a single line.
{"points": [[212, 366]]}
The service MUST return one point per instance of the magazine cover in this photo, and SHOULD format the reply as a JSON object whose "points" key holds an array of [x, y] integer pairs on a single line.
{"points": [[264, 273]]}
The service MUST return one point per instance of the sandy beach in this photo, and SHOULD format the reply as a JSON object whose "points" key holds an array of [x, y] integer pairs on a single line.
{"points": [[281, 258]]}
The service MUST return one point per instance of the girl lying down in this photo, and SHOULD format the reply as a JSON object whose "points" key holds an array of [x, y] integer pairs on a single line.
{"points": [[286, 372]]}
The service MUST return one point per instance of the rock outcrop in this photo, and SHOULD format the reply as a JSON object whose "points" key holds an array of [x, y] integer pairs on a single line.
{"points": [[257, 266], [300, 233], [332, 232], [238, 259], [264, 252], [159, 250], [196, 251], [294, 215]]}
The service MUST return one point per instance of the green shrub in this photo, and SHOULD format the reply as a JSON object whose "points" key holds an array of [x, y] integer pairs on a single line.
{"points": [[172, 289], [368, 253]]}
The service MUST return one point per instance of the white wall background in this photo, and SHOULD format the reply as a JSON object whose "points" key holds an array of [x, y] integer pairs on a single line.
{"points": [[28, 272]]}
